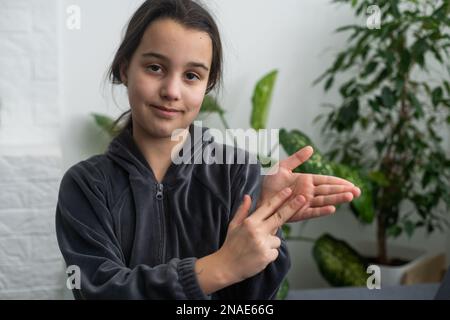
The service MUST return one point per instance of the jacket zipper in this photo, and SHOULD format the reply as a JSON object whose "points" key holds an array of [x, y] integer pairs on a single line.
{"points": [[160, 198], [159, 192]]}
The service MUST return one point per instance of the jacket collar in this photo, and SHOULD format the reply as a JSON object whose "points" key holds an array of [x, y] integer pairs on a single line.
{"points": [[125, 152]]}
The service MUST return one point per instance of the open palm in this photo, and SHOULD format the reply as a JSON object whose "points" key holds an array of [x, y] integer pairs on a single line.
{"points": [[321, 192]]}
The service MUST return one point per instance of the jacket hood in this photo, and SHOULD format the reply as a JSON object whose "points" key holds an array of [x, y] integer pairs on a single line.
{"points": [[124, 151]]}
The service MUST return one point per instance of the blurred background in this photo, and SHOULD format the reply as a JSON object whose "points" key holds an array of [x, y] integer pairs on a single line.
{"points": [[53, 60]]}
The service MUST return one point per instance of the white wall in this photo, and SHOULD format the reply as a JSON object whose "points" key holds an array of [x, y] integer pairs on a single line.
{"points": [[293, 36], [31, 265], [30, 80]]}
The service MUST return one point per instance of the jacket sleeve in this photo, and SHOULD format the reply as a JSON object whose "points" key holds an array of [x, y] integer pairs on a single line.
{"points": [[86, 238], [265, 284]]}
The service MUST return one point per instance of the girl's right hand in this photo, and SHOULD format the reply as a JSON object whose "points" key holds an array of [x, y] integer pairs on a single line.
{"points": [[251, 243]]}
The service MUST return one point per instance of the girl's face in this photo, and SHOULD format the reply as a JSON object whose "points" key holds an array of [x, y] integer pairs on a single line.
{"points": [[168, 70]]}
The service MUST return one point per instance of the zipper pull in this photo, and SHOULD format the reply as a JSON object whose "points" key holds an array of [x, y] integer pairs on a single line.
{"points": [[159, 193]]}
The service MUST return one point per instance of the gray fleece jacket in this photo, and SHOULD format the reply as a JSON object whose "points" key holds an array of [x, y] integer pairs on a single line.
{"points": [[135, 238]]}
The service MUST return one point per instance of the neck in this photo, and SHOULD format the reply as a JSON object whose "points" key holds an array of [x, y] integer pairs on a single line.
{"points": [[157, 151]]}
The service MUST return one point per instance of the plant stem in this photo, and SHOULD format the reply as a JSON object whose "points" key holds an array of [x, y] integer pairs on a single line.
{"points": [[224, 121], [381, 238], [391, 164], [225, 124]]}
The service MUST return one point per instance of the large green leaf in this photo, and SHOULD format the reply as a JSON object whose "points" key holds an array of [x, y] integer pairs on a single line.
{"points": [[262, 96], [363, 206], [339, 263], [210, 104], [283, 290], [295, 140], [105, 123]]}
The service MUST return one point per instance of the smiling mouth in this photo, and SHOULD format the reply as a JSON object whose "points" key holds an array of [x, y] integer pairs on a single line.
{"points": [[165, 109]]}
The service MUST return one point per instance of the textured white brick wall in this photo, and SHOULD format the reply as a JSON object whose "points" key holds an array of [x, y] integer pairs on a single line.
{"points": [[30, 261], [31, 266], [29, 69]]}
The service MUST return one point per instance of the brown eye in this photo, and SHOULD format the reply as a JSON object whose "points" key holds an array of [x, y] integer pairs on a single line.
{"points": [[192, 76], [154, 67]]}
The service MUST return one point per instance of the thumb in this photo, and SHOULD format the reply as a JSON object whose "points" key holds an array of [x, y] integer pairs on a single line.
{"points": [[242, 212], [297, 158]]}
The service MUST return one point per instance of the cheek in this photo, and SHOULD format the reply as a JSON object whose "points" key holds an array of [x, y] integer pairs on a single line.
{"points": [[196, 97], [141, 86]]}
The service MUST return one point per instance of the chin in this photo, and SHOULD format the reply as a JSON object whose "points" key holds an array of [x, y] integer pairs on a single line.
{"points": [[162, 131]]}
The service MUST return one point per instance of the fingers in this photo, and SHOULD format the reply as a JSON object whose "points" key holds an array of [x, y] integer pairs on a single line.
{"points": [[297, 158], [312, 213], [319, 212], [268, 207], [334, 199], [356, 192], [327, 189], [274, 242], [273, 254], [274, 245], [320, 179], [280, 216], [242, 211]]}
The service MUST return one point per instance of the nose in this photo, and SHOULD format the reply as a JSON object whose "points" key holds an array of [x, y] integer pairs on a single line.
{"points": [[170, 89]]}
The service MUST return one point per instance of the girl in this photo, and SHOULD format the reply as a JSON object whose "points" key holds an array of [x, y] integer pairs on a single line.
{"points": [[139, 226]]}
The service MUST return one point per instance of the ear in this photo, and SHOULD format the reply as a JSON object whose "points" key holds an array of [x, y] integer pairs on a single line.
{"points": [[124, 73]]}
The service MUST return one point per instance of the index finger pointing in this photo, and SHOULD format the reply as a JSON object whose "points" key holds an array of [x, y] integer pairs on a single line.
{"points": [[297, 158], [268, 207], [283, 214]]}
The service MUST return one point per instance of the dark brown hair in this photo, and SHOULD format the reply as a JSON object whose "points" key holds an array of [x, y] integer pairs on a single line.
{"points": [[186, 12]]}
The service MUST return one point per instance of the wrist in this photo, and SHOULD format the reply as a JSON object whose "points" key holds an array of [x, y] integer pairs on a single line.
{"points": [[213, 274]]}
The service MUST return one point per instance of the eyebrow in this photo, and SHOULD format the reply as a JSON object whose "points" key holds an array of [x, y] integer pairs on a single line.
{"points": [[163, 57]]}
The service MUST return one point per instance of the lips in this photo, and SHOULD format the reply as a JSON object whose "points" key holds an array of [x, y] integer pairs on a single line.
{"points": [[166, 108], [165, 112]]}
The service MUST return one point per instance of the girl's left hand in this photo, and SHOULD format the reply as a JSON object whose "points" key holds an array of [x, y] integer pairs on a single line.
{"points": [[322, 193]]}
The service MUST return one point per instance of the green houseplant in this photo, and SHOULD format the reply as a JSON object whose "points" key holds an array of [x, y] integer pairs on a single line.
{"points": [[393, 113], [387, 126]]}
